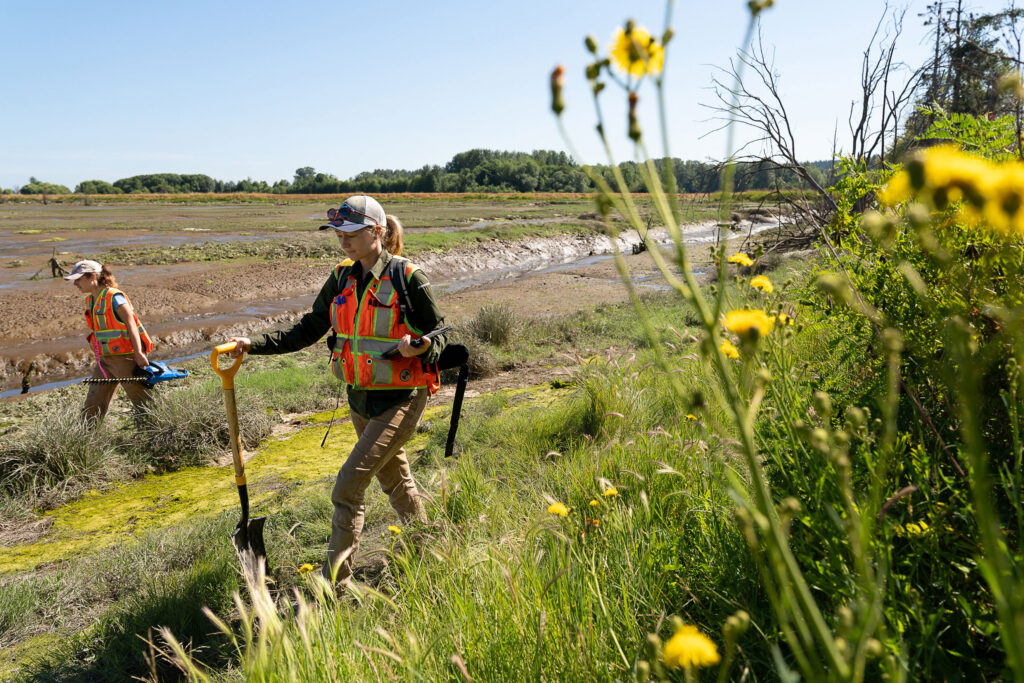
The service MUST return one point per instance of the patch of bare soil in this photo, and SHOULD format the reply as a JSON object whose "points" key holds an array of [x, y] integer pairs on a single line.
{"points": [[21, 532]]}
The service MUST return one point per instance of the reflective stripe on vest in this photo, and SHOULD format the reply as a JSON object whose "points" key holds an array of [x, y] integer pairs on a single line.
{"points": [[367, 327], [108, 332]]}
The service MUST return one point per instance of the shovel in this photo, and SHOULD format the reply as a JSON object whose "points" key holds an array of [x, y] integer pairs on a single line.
{"points": [[248, 534]]}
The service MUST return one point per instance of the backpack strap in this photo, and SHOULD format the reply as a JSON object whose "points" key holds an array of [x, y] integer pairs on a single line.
{"points": [[397, 269]]}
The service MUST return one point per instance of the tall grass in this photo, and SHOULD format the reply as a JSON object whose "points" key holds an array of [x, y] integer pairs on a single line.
{"points": [[188, 427], [59, 456]]}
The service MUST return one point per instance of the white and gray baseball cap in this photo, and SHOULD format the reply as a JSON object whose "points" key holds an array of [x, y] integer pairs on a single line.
{"points": [[355, 213], [83, 267]]}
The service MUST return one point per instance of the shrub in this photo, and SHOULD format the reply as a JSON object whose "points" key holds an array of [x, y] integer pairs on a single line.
{"points": [[189, 426], [57, 457], [494, 324]]}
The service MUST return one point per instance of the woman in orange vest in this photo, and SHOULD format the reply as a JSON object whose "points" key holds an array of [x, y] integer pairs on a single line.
{"points": [[118, 339], [372, 300]]}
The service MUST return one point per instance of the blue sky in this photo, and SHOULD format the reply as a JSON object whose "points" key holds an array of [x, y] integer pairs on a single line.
{"points": [[104, 90]]}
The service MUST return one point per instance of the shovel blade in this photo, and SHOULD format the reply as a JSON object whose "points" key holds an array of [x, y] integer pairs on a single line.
{"points": [[248, 541]]}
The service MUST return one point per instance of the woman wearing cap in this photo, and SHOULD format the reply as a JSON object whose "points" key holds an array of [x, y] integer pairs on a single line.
{"points": [[362, 302], [117, 338]]}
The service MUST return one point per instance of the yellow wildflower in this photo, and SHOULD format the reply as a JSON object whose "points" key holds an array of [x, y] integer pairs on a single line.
{"points": [[784, 319], [610, 492], [729, 349], [896, 191], [744, 321], [558, 509], [635, 52], [762, 283], [306, 568], [691, 417], [594, 503], [741, 259], [689, 648], [394, 529]]}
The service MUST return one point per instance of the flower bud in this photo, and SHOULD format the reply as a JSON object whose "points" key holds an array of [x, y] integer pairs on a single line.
{"points": [[855, 418], [873, 648], [557, 80], [819, 439], [822, 404], [667, 36], [591, 44], [643, 671], [881, 228], [833, 284], [844, 615]]}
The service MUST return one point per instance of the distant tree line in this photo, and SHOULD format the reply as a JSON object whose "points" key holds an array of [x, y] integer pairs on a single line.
{"points": [[477, 170]]}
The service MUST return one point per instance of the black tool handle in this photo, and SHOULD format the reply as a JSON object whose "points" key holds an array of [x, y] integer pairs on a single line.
{"points": [[460, 389], [392, 351]]}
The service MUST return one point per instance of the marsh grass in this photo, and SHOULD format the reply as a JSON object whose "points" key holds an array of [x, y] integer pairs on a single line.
{"points": [[58, 456], [187, 426], [495, 324]]}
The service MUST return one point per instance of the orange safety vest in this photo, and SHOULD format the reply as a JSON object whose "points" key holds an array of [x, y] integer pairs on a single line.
{"points": [[108, 333], [367, 327]]}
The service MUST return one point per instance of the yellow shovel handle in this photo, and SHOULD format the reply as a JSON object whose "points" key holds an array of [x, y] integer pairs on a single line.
{"points": [[227, 375]]}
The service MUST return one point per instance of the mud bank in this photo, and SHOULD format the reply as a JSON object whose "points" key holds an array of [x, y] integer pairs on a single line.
{"points": [[186, 306]]}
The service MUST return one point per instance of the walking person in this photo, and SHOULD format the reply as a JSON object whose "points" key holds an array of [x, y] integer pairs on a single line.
{"points": [[118, 340], [371, 301]]}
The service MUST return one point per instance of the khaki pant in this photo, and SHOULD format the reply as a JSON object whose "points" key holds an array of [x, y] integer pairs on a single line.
{"points": [[378, 453], [97, 401]]}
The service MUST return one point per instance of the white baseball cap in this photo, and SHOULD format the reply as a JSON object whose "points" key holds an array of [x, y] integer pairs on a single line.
{"points": [[356, 213], [83, 267]]}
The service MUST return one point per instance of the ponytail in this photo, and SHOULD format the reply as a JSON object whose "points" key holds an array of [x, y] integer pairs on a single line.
{"points": [[391, 237], [106, 278]]}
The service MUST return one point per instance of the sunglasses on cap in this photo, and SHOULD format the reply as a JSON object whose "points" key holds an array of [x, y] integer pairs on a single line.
{"points": [[342, 214]]}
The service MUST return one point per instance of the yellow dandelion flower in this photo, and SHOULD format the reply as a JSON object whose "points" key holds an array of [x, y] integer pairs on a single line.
{"points": [[729, 349], [762, 283], [741, 259], [394, 529], [1004, 199], [896, 191], [689, 648], [745, 321], [610, 492], [784, 319], [558, 509], [636, 53], [691, 417], [594, 503], [306, 568]]}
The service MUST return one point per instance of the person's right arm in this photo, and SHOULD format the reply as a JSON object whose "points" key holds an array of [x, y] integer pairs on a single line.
{"points": [[307, 331]]}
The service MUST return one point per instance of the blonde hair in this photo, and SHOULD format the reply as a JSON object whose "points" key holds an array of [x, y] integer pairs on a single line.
{"points": [[392, 236]]}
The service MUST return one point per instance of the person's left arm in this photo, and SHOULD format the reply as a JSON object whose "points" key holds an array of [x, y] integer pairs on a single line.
{"points": [[426, 317], [125, 314]]}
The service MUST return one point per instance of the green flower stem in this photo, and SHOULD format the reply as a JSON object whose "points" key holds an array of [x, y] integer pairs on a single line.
{"points": [[996, 565]]}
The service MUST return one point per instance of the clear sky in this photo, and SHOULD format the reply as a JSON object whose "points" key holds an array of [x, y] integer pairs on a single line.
{"points": [[105, 89]]}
